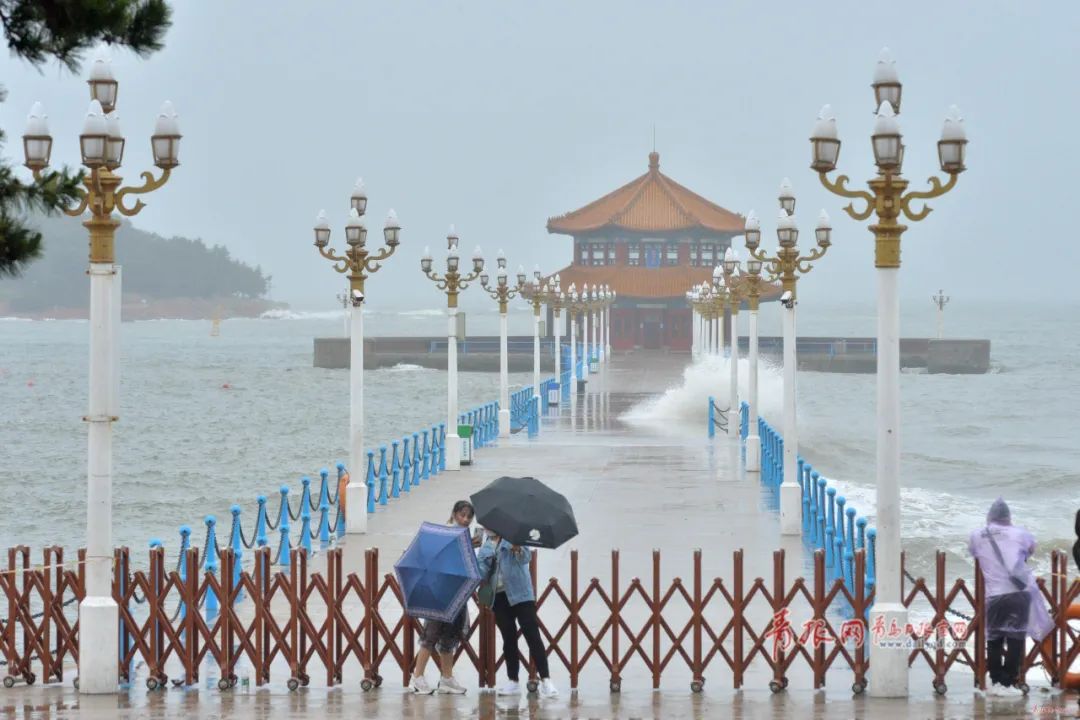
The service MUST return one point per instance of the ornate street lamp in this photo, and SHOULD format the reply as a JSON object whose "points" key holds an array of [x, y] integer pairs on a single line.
{"points": [[888, 199], [787, 264], [101, 148], [753, 296], [452, 282], [357, 263], [502, 292], [735, 295]]}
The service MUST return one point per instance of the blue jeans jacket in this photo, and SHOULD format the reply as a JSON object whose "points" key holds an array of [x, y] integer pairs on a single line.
{"points": [[514, 568]]}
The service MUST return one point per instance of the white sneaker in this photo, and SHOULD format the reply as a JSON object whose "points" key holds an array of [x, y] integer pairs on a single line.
{"points": [[450, 686], [510, 688], [1004, 691], [419, 685], [548, 689]]}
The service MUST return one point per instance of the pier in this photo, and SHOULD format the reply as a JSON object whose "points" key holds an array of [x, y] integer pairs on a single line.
{"points": [[676, 583]]}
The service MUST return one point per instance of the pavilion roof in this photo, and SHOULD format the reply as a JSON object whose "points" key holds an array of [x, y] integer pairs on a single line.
{"points": [[652, 202]]}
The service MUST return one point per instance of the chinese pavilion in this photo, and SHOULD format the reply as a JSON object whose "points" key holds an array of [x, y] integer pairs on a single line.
{"points": [[651, 240]]}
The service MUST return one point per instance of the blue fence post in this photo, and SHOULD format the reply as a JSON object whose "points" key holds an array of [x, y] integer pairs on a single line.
{"points": [[802, 490], [425, 470], [210, 566], [442, 446], [236, 542], [339, 517], [850, 541], [819, 532], [830, 517], [871, 561], [260, 522], [839, 526], [435, 443], [185, 545], [406, 464], [369, 480], [395, 470], [305, 493], [283, 512], [324, 486], [828, 551], [384, 476], [418, 462], [305, 528], [283, 549], [860, 539], [324, 525]]}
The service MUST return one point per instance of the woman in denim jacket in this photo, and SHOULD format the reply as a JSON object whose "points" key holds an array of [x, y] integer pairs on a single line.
{"points": [[515, 604]]}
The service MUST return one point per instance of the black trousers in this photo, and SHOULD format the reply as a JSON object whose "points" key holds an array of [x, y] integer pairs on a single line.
{"points": [[1006, 615], [508, 617]]}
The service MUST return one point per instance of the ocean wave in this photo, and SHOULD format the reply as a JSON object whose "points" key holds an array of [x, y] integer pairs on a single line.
{"points": [[709, 376], [15, 319], [425, 313], [300, 315], [405, 367]]}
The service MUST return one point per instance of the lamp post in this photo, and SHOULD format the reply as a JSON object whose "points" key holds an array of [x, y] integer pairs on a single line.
{"points": [[692, 301], [940, 301], [503, 292], [753, 295], [452, 283], [733, 283], [556, 301], [787, 265], [586, 351], [536, 299], [571, 314], [593, 311], [888, 199], [357, 263], [101, 147]]}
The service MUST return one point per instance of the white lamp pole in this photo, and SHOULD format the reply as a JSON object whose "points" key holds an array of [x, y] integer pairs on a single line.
{"points": [[502, 293], [537, 301], [888, 199], [358, 264], [732, 282], [787, 264], [571, 314], [102, 150], [452, 283], [753, 440], [585, 351]]}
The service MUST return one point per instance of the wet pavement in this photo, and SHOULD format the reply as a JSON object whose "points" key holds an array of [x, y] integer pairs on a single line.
{"points": [[386, 703], [635, 487]]}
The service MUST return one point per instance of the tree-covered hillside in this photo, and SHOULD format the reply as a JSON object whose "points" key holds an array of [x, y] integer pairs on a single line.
{"points": [[154, 267]]}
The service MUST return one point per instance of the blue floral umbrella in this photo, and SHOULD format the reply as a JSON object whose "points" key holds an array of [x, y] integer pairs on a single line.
{"points": [[438, 572]]}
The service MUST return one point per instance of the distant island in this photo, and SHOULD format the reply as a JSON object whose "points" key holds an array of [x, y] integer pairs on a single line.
{"points": [[175, 278]]}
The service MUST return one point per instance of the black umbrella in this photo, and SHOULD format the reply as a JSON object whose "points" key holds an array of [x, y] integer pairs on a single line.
{"points": [[525, 511]]}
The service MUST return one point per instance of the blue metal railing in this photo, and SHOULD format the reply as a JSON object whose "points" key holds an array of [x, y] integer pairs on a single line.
{"points": [[829, 522]]}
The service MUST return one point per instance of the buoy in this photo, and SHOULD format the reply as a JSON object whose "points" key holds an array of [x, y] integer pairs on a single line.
{"points": [[225, 386], [1071, 681]]}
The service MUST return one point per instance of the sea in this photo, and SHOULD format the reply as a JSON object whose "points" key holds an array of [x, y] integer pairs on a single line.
{"points": [[211, 421]]}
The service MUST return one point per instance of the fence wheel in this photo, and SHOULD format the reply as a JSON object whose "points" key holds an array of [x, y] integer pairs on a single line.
{"points": [[858, 688], [532, 685], [223, 684], [940, 688], [615, 686], [366, 685], [1024, 688], [75, 682], [9, 681], [775, 686], [293, 684], [697, 686], [378, 680], [304, 680]]}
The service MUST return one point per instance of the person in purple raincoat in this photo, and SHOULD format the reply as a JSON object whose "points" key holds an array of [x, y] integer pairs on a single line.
{"points": [[1014, 607]]}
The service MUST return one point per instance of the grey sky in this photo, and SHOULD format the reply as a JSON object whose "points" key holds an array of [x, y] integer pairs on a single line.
{"points": [[496, 115]]}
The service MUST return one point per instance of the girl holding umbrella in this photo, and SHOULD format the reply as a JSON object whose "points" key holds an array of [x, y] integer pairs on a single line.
{"points": [[443, 638], [519, 514]]}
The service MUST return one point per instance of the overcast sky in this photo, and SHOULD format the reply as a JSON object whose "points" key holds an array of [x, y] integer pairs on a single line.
{"points": [[496, 115]]}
